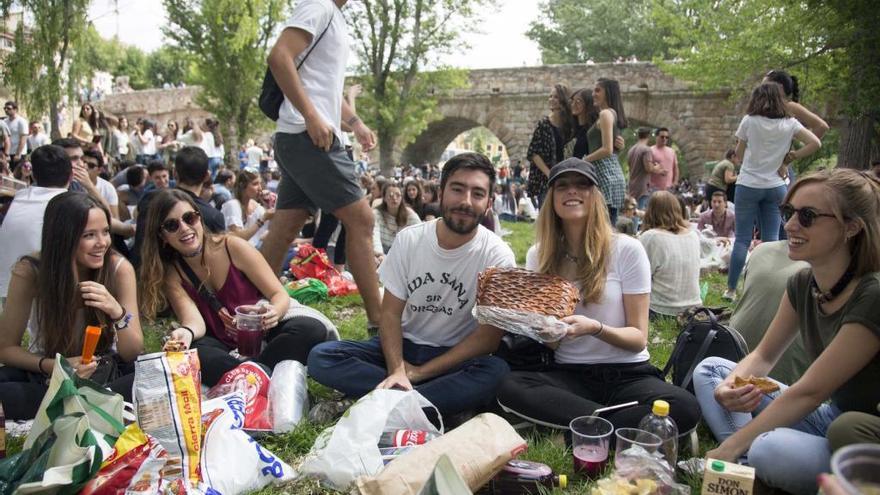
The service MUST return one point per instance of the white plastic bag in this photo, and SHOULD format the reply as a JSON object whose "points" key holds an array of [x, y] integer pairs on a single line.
{"points": [[288, 395], [233, 462], [350, 449], [535, 326]]}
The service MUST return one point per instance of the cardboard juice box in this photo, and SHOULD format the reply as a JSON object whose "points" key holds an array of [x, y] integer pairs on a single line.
{"points": [[727, 478]]}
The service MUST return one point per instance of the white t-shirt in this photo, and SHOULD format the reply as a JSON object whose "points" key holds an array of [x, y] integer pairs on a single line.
{"points": [[439, 285], [108, 192], [323, 73], [148, 148], [675, 270], [22, 229], [254, 155], [135, 143], [18, 130], [34, 142], [767, 142], [121, 142], [628, 273], [232, 213], [206, 144]]}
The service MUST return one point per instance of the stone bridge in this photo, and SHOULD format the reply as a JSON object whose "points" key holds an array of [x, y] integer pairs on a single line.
{"points": [[509, 102]]}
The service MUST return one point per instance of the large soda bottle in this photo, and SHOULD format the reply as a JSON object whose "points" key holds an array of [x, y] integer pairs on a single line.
{"points": [[660, 424], [524, 478], [405, 438]]}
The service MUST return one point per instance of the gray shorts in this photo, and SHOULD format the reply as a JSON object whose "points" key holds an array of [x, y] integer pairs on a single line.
{"points": [[312, 178]]}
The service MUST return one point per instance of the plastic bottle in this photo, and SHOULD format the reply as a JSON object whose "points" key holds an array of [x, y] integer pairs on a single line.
{"points": [[660, 424], [403, 438], [524, 478]]}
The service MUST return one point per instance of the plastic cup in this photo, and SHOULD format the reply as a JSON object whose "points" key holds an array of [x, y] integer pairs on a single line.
{"points": [[629, 437], [249, 326], [857, 467], [590, 439]]}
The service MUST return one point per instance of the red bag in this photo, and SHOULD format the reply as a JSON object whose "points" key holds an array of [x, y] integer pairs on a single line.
{"points": [[311, 262], [253, 383]]}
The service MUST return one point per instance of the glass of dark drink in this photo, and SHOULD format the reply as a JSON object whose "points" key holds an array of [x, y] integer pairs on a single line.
{"points": [[249, 327], [590, 439]]}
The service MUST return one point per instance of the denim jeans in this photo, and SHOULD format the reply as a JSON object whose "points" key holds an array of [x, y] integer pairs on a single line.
{"points": [[785, 458], [214, 165], [753, 205], [355, 368]]}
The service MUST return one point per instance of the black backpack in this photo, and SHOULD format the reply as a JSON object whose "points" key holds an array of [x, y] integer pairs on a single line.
{"points": [[271, 96], [703, 336]]}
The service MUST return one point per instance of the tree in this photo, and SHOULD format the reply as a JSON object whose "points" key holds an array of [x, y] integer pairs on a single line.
{"points": [[395, 41], [169, 64], [228, 42], [830, 45], [48, 60], [574, 31]]}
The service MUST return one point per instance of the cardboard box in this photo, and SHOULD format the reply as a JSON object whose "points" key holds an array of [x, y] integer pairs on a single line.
{"points": [[727, 478]]}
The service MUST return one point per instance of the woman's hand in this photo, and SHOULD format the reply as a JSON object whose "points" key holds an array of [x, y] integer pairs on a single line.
{"points": [[182, 335], [725, 452], [271, 318], [83, 370], [97, 296], [269, 214], [741, 399], [579, 326], [379, 259]]}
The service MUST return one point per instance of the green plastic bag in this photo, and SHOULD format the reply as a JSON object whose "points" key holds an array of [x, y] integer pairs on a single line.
{"points": [[307, 290]]}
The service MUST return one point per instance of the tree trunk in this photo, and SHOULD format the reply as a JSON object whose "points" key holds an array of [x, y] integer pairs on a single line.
{"points": [[54, 131], [858, 142], [386, 153]]}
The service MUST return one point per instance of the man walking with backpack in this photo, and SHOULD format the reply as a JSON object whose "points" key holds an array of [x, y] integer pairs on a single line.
{"points": [[308, 62]]}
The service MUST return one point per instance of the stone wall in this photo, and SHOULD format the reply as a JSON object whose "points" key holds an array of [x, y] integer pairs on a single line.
{"points": [[160, 105]]}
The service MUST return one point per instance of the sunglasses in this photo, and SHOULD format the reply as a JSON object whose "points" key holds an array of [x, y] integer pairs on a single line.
{"points": [[662, 137], [806, 216], [172, 225], [91, 165]]}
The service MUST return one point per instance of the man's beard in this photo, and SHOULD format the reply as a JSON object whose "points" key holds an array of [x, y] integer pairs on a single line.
{"points": [[462, 226]]}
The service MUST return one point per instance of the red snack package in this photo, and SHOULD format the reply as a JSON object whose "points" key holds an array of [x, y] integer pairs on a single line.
{"points": [[253, 383]]}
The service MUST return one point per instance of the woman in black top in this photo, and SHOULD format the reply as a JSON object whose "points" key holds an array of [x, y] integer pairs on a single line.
{"points": [[548, 142]]}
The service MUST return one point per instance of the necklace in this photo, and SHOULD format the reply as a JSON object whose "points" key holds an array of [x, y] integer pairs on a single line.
{"points": [[571, 258], [825, 297], [193, 255]]}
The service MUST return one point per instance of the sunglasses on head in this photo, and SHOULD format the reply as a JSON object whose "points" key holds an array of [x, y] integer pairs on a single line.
{"points": [[172, 225], [806, 215]]}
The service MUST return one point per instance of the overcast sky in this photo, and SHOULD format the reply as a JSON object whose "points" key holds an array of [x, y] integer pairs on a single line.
{"points": [[502, 43]]}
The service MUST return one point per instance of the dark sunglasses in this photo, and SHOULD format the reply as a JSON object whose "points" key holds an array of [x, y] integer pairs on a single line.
{"points": [[806, 216], [663, 137], [91, 165], [172, 225]]}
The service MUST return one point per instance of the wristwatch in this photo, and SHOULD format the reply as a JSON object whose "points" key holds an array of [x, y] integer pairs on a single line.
{"points": [[122, 323]]}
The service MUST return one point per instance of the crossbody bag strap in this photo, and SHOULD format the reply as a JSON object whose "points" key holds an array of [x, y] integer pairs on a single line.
{"points": [[202, 288], [301, 62], [701, 353]]}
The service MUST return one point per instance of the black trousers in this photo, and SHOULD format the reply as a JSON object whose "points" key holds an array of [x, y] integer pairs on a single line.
{"points": [[555, 397], [292, 339], [21, 392], [325, 231]]}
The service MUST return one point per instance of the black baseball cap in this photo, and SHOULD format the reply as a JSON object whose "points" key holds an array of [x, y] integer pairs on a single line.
{"points": [[576, 165]]}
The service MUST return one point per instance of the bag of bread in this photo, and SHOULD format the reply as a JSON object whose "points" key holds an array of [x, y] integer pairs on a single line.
{"points": [[524, 302]]}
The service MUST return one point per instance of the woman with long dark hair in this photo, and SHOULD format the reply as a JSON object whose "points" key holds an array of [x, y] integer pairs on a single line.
{"points": [[601, 136], [604, 358], [764, 140], [833, 223], [86, 125], [75, 280], [204, 278], [791, 91], [245, 216], [548, 141], [392, 215], [412, 196]]}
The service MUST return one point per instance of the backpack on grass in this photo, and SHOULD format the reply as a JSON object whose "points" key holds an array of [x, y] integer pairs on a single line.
{"points": [[703, 336]]}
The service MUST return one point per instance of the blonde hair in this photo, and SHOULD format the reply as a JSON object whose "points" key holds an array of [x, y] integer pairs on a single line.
{"points": [[595, 246], [855, 197], [664, 212]]}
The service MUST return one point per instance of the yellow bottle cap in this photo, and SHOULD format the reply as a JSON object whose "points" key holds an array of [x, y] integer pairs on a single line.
{"points": [[661, 408], [563, 481]]}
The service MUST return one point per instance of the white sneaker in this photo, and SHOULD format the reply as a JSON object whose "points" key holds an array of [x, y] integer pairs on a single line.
{"points": [[729, 295]]}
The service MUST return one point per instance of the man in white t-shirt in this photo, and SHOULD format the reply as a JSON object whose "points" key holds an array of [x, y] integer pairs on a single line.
{"points": [[18, 132], [254, 154], [22, 229], [429, 340], [94, 161], [37, 137], [308, 61]]}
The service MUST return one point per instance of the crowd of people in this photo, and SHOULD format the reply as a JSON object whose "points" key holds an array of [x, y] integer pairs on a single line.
{"points": [[116, 227]]}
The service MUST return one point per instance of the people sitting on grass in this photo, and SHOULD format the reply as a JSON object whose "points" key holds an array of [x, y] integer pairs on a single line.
{"points": [[392, 216], [244, 215], [832, 222], [674, 253], [603, 360], [719, 218], [428, 338], [204, 277], [75, 280]]}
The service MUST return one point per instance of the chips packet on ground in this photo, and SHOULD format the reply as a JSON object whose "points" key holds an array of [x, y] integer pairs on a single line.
{"points": [[253, 382], [167, 398]]}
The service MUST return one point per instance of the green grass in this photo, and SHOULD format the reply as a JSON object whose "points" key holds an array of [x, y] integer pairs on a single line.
{"points": [[545, 446]]}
